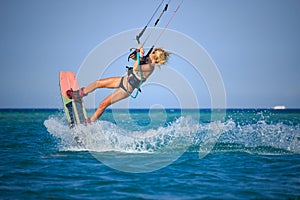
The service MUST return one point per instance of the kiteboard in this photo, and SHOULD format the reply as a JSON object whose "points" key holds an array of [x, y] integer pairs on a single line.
{"points": [[74, 108]]}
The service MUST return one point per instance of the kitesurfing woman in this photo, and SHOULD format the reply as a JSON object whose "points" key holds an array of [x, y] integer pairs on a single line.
{"points": [[125, 85]]}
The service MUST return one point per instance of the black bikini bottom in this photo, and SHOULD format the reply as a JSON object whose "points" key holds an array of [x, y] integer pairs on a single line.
{"points": [[134, 82]]}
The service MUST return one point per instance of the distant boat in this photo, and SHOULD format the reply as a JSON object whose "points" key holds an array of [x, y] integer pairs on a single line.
{"points": [[279, 107]]}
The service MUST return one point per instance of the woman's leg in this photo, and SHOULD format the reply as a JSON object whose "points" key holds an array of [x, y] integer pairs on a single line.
{"points": [[112, 82], [114, 97]]}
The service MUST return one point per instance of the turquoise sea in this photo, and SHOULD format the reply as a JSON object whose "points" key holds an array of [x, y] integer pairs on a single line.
{"points": [[151, 154]]}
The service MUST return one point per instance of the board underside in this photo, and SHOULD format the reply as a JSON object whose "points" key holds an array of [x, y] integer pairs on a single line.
{"points": [[74, 109]]}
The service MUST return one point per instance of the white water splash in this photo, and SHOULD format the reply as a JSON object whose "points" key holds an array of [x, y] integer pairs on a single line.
{"points": [[263, 135], [103, 136]]}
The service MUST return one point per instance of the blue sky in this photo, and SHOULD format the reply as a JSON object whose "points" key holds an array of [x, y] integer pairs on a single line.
{"points": [[255, 45]]}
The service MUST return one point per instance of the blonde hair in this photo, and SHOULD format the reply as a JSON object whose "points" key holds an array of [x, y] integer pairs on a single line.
{"points": [[161, 56]]}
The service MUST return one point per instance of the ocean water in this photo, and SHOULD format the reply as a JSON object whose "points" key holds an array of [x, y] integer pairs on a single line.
{"points": [[151, 154]]}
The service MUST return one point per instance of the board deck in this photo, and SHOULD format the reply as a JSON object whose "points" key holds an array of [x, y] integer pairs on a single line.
{"points": [[74, 109]]}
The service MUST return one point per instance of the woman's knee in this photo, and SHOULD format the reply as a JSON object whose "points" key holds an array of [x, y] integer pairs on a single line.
{"points": [[98, 83]]}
